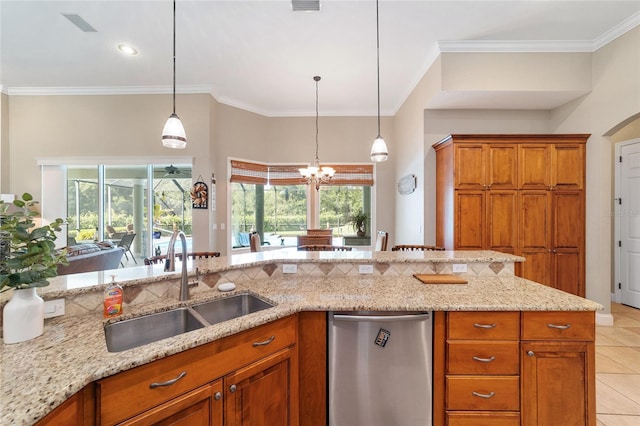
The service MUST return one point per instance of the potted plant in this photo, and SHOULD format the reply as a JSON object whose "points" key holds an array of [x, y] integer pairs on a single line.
{"points": [[359, 222], [28, 258]]}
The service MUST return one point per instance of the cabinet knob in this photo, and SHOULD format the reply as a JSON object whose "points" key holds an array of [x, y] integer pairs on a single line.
{"points": [[217, 396], [531, 353], [232, 388]]}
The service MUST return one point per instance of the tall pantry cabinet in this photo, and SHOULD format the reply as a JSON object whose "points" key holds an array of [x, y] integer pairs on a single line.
{"points": [[519, 194]]}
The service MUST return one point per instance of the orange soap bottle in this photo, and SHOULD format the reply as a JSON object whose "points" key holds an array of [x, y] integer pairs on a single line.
{"points": [[112, 303]]}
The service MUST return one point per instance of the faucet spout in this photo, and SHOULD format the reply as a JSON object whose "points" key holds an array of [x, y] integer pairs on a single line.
{"points": [[170, 263]]}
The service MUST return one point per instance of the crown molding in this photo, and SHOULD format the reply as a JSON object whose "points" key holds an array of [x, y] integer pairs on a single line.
{"points": [[103, 90], [540, 46], [627, 25]]}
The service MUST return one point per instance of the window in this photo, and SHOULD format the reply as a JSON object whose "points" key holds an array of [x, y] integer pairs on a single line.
{"points": [[104, 201], [274, 201]]}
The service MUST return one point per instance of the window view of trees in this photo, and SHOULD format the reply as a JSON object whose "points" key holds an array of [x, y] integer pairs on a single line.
{"points": [[125, 201], [279, 213]]}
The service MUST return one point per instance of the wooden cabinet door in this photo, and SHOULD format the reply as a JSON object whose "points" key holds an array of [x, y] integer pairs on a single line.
{"points": [[567, 166], [200, 407], [502, 221], [557, 383], [534, 208], [501, 166], [263, 393], [469, 167], [567, 242], [534, 166], [470, 221]]}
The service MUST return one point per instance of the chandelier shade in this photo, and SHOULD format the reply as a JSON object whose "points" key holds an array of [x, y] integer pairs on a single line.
{"points": [[316, 174]]}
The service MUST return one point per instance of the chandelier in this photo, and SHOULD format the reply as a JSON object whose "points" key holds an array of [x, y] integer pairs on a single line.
{"points": [[316, 175]]}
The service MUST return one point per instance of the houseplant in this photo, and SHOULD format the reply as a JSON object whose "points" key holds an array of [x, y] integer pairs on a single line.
{"points": [[359, 222], [28, 258]]}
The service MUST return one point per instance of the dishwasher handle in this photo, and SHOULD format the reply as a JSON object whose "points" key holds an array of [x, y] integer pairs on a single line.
{"points": [[381, 318]]}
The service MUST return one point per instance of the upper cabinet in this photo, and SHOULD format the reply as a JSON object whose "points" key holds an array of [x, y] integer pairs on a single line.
{"points": [[551, 167], [520, 194], [486, 166]]}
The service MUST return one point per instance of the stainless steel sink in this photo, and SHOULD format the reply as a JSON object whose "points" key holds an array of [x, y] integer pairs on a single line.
{"points": [[131, 333], [231, 307]]}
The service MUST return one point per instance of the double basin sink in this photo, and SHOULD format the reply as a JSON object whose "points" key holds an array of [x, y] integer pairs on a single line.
{"points": [[131, 333]]}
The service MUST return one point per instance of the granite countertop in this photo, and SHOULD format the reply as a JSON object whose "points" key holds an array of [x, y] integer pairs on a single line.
{"points": [[40, 374]]}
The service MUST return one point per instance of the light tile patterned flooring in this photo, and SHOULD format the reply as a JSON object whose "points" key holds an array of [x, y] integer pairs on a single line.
{"points": [[618, 369]]}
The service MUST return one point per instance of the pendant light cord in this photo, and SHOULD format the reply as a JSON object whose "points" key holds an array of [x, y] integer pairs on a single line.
{"points": [[317, 79], [174, 56], [378, 61]]}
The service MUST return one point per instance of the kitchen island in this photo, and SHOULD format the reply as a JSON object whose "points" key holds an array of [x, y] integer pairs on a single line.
{"points": [[39, 375]]}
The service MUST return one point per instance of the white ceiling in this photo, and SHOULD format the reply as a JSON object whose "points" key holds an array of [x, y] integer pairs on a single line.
{"points": [[261, 56]]}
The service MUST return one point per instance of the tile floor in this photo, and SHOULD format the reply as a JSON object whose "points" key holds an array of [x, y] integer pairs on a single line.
{"points": [[618, 369]]}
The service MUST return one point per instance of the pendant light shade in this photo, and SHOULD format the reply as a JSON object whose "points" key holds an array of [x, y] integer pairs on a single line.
{"points": [[173, 134], [379, 150]]}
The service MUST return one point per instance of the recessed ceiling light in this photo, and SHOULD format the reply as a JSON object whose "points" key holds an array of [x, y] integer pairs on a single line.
{"points": [[127, 50]]}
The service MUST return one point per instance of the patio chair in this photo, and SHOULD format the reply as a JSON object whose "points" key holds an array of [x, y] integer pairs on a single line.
{"points": [[125, 243]]}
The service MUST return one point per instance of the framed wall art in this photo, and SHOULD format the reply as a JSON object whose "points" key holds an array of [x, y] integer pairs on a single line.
{"points": [[199, 194]]}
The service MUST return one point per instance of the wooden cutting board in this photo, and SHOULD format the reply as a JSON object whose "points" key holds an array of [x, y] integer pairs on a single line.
{"points": [[441, 279]]}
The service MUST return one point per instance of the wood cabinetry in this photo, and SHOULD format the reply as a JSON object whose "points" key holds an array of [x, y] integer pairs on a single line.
{"points": [[514, 368], [519, 194], [558, 368], [482, 368], [259, 394], [188, 387], [77, 410]]}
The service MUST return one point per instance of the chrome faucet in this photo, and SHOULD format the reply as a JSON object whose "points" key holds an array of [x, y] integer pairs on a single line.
{"points": [[170, 263]]}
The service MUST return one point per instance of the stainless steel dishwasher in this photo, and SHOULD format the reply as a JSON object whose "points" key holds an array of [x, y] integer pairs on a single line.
{"points": [[380, 368]]}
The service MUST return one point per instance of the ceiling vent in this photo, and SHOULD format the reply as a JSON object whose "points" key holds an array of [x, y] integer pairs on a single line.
{"points": [[305, 5], [79, 22]]}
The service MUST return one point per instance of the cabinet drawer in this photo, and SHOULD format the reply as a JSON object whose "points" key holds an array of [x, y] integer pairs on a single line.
{"points": [[482, 418], [483, 325], [483, 393], [485, 357], [128, 393], [558, 325]]}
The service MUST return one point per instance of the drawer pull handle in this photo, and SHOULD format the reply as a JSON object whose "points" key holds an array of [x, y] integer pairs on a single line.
{"points": [[168, 382], [484, 325], [483, 395], [264, 343], [531, 353], [560, 327], [477, 358], [232, 388], [217, 396]]}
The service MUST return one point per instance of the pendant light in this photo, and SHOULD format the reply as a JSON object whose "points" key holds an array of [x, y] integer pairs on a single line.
{"points": [[173, 134], [315, 175], [379, 150]]}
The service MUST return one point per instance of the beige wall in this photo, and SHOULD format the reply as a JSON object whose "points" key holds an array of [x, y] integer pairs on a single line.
{"points": [[409, 158], [4, 144], [614, 100]]}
